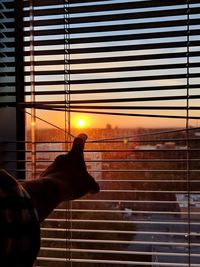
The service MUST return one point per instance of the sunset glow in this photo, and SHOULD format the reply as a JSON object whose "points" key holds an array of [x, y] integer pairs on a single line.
{"points": [[81, 123]]}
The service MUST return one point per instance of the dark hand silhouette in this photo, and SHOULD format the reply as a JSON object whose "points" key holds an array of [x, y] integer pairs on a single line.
{"points": [[70, 172]]}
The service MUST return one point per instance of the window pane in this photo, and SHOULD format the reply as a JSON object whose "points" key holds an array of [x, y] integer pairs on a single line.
{"points": [[127, 74]]}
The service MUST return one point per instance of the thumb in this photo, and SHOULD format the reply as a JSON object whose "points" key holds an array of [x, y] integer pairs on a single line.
{"points": [[78, 144]]}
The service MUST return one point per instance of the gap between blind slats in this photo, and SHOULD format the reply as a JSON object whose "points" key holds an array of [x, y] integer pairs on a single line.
{"points": [[115, 90], [158, 191], [141, 171], [115, 69], [113, 38], [114, 28], [136, 99], [131, 107], [127, 201], [128, 114], [115, 48], [108, 17], [116, 252], [84, 107], [113, 80], [138, 222], [119, 150], [132, 161], [122, 242], [119, 140], [157, 233], [108, 6], [119, 58], [113, 262]]}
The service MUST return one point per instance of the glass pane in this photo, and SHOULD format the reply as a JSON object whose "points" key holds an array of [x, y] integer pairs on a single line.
{"points": [[126, 73]]}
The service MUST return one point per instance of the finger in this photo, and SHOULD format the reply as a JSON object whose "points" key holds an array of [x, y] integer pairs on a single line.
{"points": [[78, 144]]}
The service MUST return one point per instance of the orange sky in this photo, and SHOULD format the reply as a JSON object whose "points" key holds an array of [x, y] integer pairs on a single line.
{"points": [[100, 121]]}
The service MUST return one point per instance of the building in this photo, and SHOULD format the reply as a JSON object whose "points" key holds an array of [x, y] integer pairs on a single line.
{"points": [[194, 201]]}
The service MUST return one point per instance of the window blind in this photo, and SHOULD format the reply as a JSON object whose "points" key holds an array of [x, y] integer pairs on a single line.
{"points": [[11, 89], [133, 66]]}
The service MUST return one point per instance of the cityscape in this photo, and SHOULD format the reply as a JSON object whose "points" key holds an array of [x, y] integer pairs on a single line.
{"points": [[144, 205]]}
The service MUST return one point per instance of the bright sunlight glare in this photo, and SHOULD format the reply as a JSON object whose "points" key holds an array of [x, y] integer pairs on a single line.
{"points": [[81, 123]]}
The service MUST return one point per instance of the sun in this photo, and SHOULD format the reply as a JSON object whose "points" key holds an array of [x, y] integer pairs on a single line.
{"points": [[81, 123]]}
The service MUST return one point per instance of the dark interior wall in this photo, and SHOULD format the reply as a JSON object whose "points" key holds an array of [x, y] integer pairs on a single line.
{"points": [[11, 88]]}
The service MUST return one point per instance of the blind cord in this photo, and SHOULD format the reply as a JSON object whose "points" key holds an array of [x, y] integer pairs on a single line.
{"points": [[68, 135], [187, 132], [32, 87]]}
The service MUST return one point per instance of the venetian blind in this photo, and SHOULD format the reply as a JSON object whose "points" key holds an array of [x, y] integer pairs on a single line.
{"points": [[11, 89], [135, 65]]}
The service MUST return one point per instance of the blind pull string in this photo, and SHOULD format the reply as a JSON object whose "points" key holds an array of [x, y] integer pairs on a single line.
{"points": [[32, 88], [187, 131], [68, 135], [51, 124]]}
